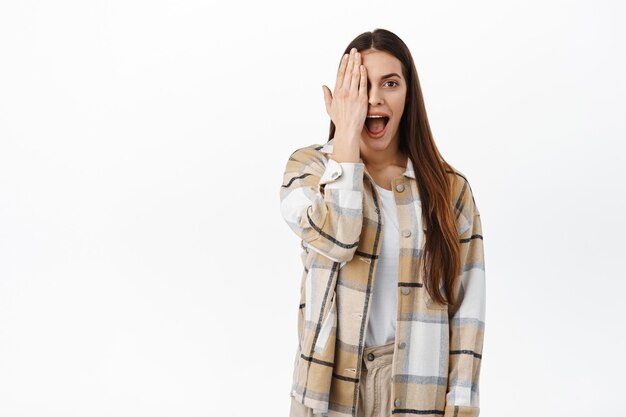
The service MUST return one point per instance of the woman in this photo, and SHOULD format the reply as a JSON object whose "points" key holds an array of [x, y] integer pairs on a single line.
{"points": [[392, 305]]}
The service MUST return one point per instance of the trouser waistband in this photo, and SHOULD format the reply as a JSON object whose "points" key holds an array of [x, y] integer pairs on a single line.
{"points": [[377, 356]]}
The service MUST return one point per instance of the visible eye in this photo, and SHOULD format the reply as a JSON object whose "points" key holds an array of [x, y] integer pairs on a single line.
{"points": [[392, 82]]}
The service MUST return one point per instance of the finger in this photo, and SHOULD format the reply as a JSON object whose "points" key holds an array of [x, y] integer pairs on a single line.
{"points": [[342, 68], [356, 73], [363, 83], [348, 74], [327, 98]]}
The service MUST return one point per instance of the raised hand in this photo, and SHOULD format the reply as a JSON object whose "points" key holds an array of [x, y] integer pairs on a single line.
{"points": [[347, 105]]}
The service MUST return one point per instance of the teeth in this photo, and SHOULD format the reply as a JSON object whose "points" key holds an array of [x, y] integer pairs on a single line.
{"points": [[375, 117]]}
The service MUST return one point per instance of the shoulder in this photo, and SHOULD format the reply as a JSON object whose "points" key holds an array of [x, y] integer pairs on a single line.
{"points": [[312, 155], [462, 194], [314, 150], [463, 201]]}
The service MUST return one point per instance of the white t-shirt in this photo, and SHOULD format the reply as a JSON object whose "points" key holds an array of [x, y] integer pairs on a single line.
{"points": [[381, 327]]}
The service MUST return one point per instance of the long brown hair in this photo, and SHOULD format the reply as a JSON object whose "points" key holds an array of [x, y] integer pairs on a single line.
{"points": [[442, 247]]}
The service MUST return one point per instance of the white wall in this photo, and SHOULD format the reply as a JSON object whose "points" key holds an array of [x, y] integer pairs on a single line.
{"points": [[144, 266]]}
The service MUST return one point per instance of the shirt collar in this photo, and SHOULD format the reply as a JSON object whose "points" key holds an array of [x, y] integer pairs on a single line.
{"points": [[409, 172]]}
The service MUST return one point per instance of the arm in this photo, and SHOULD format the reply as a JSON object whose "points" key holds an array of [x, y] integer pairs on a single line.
{"points": [[323, 202], [467, 318]]}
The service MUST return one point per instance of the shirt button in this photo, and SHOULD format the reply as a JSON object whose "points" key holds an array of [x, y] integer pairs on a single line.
{"points": [[400, 187], [405, 290], [396, 403], [370, 357], [406, 233], [402, 345]]}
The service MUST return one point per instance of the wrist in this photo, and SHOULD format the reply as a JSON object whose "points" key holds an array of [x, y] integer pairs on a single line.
{"points": [[346, 136], [346, 146]]}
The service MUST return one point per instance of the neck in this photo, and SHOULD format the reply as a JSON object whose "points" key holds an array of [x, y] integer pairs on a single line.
{"points": [[379, 160]]}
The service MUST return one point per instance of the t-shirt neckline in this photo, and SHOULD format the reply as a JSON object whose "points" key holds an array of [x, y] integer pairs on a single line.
{"points": [[384, 190]]}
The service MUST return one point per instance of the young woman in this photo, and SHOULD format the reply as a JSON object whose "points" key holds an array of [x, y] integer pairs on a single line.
{"points": [[392, 306]]}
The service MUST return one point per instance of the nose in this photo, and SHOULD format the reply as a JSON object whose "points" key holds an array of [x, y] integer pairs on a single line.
{"points": [[374, 97]]}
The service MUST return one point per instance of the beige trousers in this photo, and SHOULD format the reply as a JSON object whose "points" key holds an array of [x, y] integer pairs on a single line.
{"points": [[374, 385]]}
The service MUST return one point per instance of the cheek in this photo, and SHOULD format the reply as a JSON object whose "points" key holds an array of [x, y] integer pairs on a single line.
{"points": [[398, 106], [398, 110]]}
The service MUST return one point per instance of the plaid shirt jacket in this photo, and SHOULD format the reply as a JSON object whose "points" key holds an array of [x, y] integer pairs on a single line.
{"points": [[335, 210]]}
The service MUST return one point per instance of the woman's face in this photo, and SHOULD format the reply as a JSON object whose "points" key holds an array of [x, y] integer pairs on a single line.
{"points": [[386, 94]]}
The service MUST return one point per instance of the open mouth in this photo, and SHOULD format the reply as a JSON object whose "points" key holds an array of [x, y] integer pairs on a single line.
{"points": [[376, 125]]}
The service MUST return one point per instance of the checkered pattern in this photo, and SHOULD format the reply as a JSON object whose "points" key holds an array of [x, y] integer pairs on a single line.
{"points": [[335, 210]]}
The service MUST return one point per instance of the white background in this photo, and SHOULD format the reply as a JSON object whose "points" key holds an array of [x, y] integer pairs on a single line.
{"points": [[145, 269]]}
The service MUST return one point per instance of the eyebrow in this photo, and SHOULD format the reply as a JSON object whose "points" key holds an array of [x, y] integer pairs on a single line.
{"points": [[393, 74]]}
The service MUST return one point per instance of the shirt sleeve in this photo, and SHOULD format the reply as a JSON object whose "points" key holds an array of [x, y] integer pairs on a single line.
{"points": [[467, 317], [322, 202]]}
